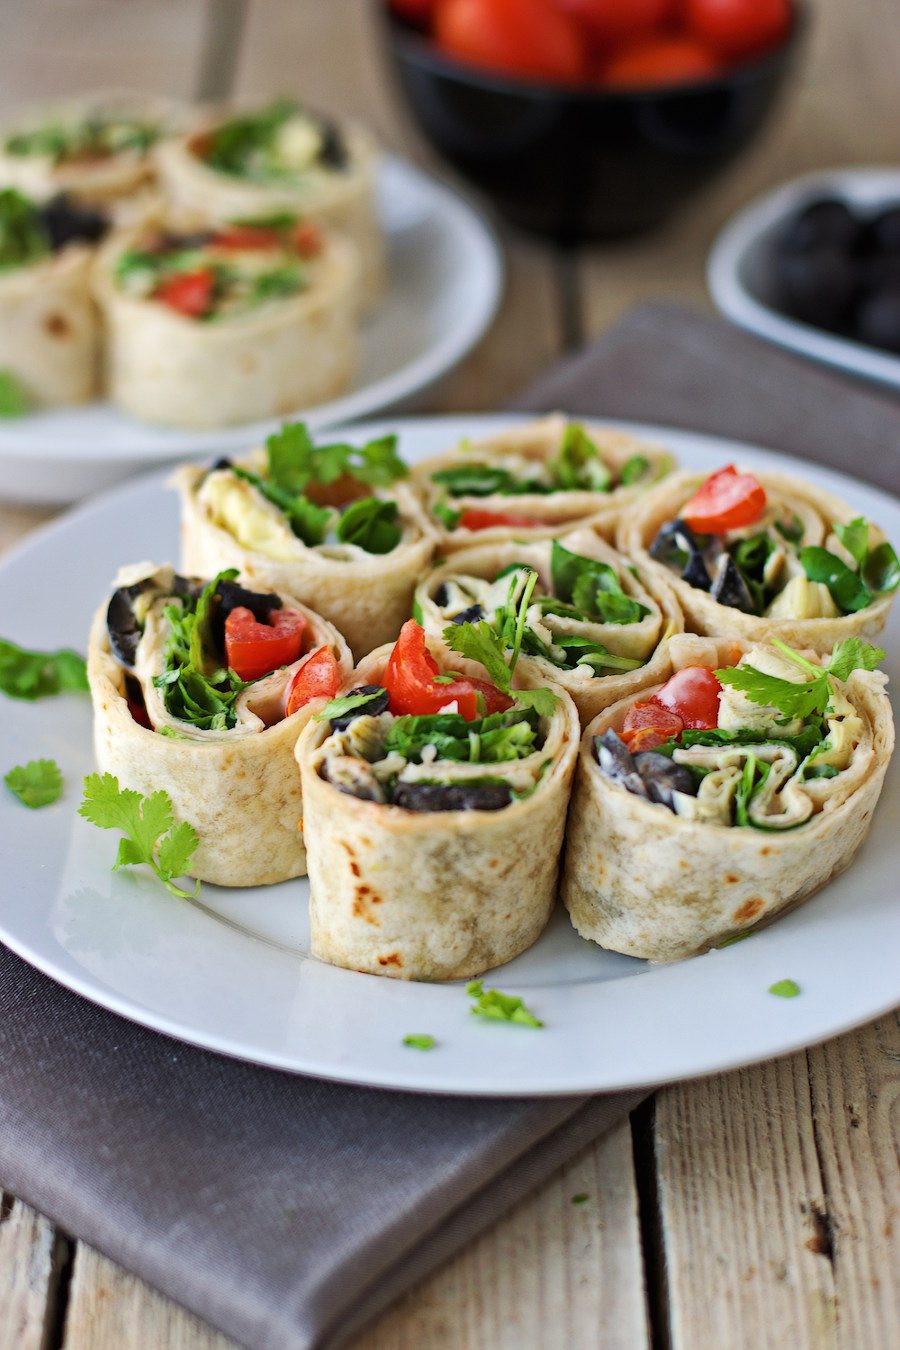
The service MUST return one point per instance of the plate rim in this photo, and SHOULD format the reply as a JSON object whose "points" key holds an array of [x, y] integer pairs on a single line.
{"points": [[421, 1077]]}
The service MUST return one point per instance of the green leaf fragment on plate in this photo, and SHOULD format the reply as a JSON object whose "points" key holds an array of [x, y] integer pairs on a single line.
{"points": [[785, 988], [420, 1041], [37, 783], [498, 1007], [14, 401]]}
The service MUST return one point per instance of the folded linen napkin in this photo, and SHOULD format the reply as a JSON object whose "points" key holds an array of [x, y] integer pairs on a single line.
{"points": [[288, 1211]]}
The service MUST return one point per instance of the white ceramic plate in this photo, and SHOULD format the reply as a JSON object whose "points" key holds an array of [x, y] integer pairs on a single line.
{"points": [[231, 971], [446, 278], [739, 272]]}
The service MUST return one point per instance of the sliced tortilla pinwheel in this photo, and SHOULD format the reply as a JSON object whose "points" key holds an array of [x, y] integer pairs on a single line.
{"points": [[49, 332], [434, 810], [211, 327], [331, 524], [98, 148], [282, 158], [733, 791], [533, 481], [201, 690], [764, 555], [592, 625]]}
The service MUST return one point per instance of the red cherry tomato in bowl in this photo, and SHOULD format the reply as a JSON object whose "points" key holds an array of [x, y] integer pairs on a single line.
{"points": [[318, 677], [530, 38], [727, 500], [738, 29], [693, 695], [661, 60], [254, 649], [409, 678], [610, 23]]}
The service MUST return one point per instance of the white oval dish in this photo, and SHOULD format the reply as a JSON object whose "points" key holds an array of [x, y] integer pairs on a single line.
{"points": [[739, 276], [231, 972], [446, 279]]}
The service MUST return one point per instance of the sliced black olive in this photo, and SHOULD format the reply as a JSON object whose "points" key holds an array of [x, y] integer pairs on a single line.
{"points": [[819, 287], [223, 462], [878, 319], [232, 596], [676, 545], [334, 147], [470, 615], [884, 231], [696, 573], [66, 222], [730, 588], [121, 625], [378, 703], [662, 776], [617, 762], [827, 223], [172, 241], [452, 796]]}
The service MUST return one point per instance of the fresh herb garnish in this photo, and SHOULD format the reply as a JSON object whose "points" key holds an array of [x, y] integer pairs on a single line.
{"points": [[148, 826], [30, 675], [294, 461], [14, 401], [420, 1041], [477, 480], [337, 707], [37, 783], [855, 538], [578, 465], [785, 988], [245, 146], [592, 587], [498, 1007], [23, 238], [371, 524], [810, 697]]}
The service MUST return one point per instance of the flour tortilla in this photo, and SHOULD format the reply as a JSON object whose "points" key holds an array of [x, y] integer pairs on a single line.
{"points": [[590, 693], [540, 441], [343, 200], [285, 355], [367, 596], [49, 330], [815, 507], [640, 880], [102, 182], [432, 896], [240, 789]]}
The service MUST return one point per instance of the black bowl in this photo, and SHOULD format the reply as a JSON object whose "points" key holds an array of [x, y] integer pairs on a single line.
{"points": [[584, 163]]}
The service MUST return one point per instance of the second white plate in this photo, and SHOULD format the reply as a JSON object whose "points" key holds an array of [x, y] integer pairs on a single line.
{"points": [[446, 278]]}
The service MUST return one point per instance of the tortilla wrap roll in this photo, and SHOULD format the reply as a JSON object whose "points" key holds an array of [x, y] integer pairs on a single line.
{"points": [[784, 573], [532, 481], [431, 869], [237, 166], [364, 588], [203, 334], [661, 873], [237, 784], [98, 148], [609, 645]]}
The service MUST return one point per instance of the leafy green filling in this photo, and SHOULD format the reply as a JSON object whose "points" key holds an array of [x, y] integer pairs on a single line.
{"points": [[877, 570], [247, 146], [592, 588], [95, 137], [23, 237], [495, 739], [197, 689]]}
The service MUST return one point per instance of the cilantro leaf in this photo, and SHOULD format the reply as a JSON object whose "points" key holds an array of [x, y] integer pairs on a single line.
{"points": [[853, 654], [379, 464], [371, 524], [498, 1007], [295, 461], [30, 675], [446, 515], [480, 642], [420, 1041], [633, 470], [785, 988], [14, 401], [881, 571], [578, 465], [543, 701], [147, 824], [37, 783], [811, 697], [848, 591], [855, 538], [476, 480]]}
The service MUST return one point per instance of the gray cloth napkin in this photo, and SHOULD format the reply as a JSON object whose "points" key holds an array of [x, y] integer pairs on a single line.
{"points": [[288, 1211]]}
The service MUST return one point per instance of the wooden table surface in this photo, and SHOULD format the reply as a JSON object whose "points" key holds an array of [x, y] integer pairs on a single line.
{"points": [[760, 1208]]}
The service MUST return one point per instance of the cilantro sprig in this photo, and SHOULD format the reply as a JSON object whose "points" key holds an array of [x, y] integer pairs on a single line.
{"points": [[31, 674], [498, 1007], [150, 834], [37, 783], [811, 696]]}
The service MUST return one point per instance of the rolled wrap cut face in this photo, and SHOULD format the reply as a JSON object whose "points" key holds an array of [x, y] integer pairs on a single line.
{"points": [[758, 580], [364, 588], [228, 766], [459, 879], [254, 162], [532, 481], [608, 644], [671, 851]]}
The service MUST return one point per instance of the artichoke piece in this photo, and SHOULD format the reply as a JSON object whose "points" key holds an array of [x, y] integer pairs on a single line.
{"points": [[354, 777]]}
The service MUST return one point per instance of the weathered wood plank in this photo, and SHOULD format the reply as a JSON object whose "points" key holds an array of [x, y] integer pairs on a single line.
{"points": [[28, 1257]]}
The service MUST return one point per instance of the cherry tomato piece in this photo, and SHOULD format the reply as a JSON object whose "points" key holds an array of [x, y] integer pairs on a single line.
{"points": [[138, 710], [610, 23], [738, 28], [318, 677], [307, 240], [188, 293], [656, 61], [254, 649], [473, 519], [693, 695], [648, 725], [409, 680], [727, 500], [530, 38], [246, 237]]}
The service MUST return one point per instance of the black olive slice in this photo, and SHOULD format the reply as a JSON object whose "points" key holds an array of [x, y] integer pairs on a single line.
{"points": [[617, 762], [67, 222], [470, 615], [378, 703], [334, 147], [223, 462], [452, 796], [661, 777], [232, 596], [121, 625], [730, 588]]}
